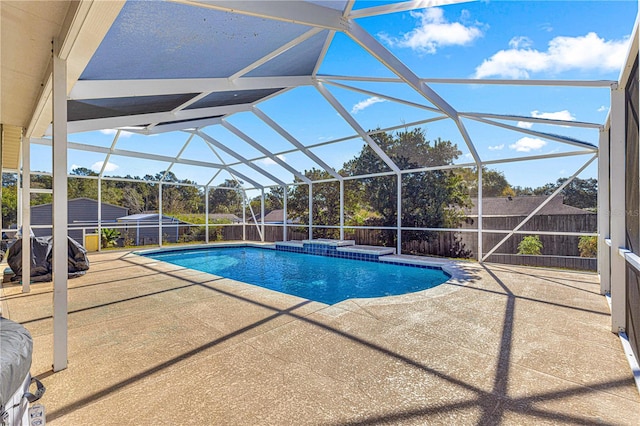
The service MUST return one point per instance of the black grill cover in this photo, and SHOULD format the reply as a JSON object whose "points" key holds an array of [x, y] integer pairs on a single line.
{"points": [[41, 257]]}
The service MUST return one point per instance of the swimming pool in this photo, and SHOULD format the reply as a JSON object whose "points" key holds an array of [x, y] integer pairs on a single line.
{"points": [[323, 279]]}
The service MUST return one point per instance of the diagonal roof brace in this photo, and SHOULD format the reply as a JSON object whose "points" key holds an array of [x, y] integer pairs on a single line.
{"points": [[353, 123], [297, 12], [371, 45], [263, 150], [282, 132], [234, 154]]}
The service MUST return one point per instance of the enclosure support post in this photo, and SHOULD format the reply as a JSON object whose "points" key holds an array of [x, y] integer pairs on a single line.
{"points": [[100, 213], [479, 213], [399, 213], [26, 215], [618, 215], [342, 209], [206, 214], [284, 213], [244, 217], [262, 214], [604, 251], [159, 214], [310, 211], [59, 206]]}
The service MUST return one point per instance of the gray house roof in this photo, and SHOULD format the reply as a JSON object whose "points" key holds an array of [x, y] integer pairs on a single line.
{"points": [[522, 206], [149, 217], [276, 216]]}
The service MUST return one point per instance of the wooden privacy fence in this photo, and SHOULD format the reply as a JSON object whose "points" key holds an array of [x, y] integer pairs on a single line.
{"points": [[558, 250]]}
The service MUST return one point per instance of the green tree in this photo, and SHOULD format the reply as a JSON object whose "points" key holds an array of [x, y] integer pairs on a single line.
{"points": [[580, 193], [226, 200], [494, 183], [429, 199]]}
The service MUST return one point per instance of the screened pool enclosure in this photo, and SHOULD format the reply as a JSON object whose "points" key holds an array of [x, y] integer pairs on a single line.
{"points": [[271, 121]]}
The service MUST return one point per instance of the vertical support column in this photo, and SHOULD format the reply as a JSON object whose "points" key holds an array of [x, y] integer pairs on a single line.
{"points": [[284, 213], [100, 214], [159, 214], [60, 242], [262, 213], [399, 213], [342, 209], [206, 214], [26, 215], [604, 217], [310, 211], [618, 217], [244, 217], [480, 213]]}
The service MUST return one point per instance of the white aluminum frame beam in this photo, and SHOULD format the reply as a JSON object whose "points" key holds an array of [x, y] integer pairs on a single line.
{"points": [[479, 81], [85, 26], [371, 45], [549, 136], [297, 12], [178, 155], [26, 215], [604, 215], [233, 129], [402, 7], [234, 154], [98, 89], [540, 207], [279, 51], [356, 126], [156, 117], [131, 154], [293, 141], [382, 96], [618, 210], [532, 120], [59, 210]]}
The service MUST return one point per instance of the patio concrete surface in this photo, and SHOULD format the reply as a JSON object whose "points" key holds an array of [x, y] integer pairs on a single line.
{"points": [[153, 343]]}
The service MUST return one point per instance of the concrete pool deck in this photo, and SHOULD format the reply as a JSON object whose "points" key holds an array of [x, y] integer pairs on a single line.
{"points": [[154, 343]]}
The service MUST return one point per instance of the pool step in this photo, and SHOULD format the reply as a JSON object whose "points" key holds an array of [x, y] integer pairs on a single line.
{"points": [[374, 250], [296, 244], [336, 248]]}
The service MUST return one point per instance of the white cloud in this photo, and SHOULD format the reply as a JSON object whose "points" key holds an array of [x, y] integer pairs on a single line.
{"points": [[560, 115], [603, 108], [520, 42], [123, 133], [366, 104], [589, 52], [527, 144], [496, 147], [97, 166], [524, 124], [434, 31], [269, 161]]}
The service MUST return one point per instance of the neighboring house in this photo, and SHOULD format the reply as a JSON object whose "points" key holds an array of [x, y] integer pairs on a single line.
{"points": [[81, 213], [276, 217], [224, 218], [143, 228], [505, 213]]}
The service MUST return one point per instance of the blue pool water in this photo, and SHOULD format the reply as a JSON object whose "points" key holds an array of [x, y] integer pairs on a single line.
{"points": [[320, 278]]}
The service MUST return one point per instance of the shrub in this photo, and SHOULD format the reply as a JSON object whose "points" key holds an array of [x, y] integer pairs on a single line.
{"points": [[109, 237], [588, 246], [530, 244]]}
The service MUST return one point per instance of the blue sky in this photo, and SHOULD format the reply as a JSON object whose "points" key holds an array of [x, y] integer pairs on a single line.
{"points": [[488, 39]]}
